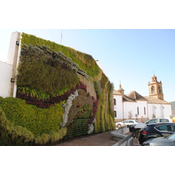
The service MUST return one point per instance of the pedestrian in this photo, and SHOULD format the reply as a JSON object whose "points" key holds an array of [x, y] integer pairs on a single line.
{"points": [[142, 119]]}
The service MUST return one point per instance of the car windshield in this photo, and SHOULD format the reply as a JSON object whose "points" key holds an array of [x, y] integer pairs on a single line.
{"points": [[152, 121], [171, 137], [164, 120], [137, 121]]}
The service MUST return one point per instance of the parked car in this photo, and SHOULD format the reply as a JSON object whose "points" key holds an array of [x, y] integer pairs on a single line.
{"points": [[161, 141], [142, 125], [127, 123], [156, 130]]}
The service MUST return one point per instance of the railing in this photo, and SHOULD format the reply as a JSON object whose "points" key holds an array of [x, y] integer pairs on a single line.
{"points": [[121, 138], [126, 139]]}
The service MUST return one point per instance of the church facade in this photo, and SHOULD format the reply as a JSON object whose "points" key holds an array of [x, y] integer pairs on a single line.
{"points": [[142, 108]]}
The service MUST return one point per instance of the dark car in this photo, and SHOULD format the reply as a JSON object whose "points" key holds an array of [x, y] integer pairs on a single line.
{"points": [[156, 130], [161, 141]]}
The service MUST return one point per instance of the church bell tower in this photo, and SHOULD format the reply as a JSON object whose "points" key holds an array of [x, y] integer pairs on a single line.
{"points": [[155, 88], [120, 90]]}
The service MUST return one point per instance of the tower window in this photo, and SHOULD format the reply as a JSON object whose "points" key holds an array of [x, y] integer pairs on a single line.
{"points": [[152, 89], [159, 89]]}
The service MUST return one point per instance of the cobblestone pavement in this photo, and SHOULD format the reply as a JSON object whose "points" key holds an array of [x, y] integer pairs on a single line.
{"points": [[101, 139]]}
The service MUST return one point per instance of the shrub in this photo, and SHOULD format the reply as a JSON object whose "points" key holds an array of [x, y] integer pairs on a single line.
{"points": [[98, 88], [8, 128], [80, 106], [110, 98], [37, 72], [104, 80], [85, 61], [36, 120], [77, 128], [17, 135], [154, 116], [47, 76]]}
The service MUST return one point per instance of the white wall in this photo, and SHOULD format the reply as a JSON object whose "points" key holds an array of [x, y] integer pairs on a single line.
{"points": [[123, 108], [132, 106], [167, 111], [159, 110], [119, 106], [13, 52], [8, 70], [5, 77], [129, 106], [142, 105]]}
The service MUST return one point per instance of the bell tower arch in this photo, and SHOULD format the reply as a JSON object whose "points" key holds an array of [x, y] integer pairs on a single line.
{"points": [[155, 88]]}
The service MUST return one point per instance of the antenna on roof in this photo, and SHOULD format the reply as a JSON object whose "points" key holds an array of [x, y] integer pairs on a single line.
{"points": [[61, 36]]}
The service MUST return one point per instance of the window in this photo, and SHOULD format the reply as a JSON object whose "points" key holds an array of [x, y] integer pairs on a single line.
{"points": [[138, 110], [144, 111], [171, 128], [164, 120], [115, 114], [165, 128], [152, 89], [114, 101], [131, 121], [162, 128], [138, 121], [126, 121], [159, 90], [152, 121]]}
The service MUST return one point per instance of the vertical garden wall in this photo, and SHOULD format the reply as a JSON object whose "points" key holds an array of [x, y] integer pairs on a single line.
{"points": [[61, 93]]}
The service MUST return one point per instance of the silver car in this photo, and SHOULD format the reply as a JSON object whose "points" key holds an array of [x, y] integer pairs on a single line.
{"points": [[126, 123], [161, 141]]}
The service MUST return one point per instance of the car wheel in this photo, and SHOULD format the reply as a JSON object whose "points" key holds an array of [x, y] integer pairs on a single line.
{"points": [[119, 125], [140, 142], [137, 133]]}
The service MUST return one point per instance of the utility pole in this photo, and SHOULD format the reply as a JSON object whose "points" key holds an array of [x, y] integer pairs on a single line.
{"points": [[61, 36]]}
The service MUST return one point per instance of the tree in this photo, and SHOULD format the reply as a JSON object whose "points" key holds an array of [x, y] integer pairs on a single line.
{"points": [[130, 115]]}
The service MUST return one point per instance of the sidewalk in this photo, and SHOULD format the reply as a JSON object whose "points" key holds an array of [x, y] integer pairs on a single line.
{"points": [[101, 139]]}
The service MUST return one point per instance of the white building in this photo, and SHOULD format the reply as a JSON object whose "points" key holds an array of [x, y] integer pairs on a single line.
{"points": [[8, 70], [135, 106]]}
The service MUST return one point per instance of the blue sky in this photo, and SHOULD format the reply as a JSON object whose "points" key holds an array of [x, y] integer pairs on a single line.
{"points": [[126, 55]]}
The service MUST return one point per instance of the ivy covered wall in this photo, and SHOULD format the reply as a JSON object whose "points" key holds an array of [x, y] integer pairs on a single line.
{"points": [[61, 93]]}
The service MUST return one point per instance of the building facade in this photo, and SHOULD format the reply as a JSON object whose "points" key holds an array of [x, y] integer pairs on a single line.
{"points": [[173, 109], [8, 70], [142, 108]]}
